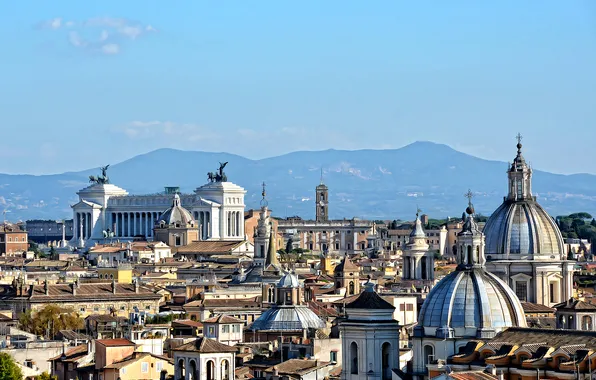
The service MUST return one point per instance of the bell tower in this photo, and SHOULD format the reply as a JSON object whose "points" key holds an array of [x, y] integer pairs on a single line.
{"points": [[322, 201]]}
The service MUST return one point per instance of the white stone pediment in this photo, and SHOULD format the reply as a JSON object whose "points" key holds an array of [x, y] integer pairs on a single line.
{"points": [[521, 277], [84, 204]]}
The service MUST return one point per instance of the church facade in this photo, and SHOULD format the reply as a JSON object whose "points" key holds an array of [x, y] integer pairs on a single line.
{"points": [[105, 211]]}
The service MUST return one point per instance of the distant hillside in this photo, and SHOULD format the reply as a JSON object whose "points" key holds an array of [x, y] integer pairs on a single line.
{"points": [[379, 184]]}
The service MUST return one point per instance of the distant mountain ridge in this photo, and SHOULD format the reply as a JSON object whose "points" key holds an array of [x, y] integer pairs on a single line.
{"points": [[372, 184]]}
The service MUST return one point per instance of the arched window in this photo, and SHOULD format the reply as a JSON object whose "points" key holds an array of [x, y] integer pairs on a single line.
{"points": [[570, 322], [354, 358], [587, 323], [192, 371], [423, 268], [225, 370], [429, 354], [351, 287], [561, 322], [210, 370], [470, 258], [181, 371], [386, 361]]}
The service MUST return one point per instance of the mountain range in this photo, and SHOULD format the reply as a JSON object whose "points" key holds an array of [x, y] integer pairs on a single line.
{"points": [[372, 184]]}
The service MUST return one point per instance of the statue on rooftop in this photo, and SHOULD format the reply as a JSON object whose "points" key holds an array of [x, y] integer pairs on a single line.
{"points": [[219, 175], [103, 178]]}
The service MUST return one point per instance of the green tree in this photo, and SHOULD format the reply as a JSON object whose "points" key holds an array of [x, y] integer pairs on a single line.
{"points": [[46, 376], [49, 320], [8, 368]]}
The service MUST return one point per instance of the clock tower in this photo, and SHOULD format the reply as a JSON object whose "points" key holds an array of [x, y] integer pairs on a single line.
{"points": [[322, 201]]}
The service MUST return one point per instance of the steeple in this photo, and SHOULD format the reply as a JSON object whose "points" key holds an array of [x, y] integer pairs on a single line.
{"points": [[520, 176], [264, 202], [272, 254], [322, 201], [470, 241]]}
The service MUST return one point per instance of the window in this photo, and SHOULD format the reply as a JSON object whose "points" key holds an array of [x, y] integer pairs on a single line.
{"points": [[288, 297], [144, 367], [333, 356], [410, 307], [236, 328], [225, 370], [96, 308], [211, 331], [521, 290], [124, 371], [226, 329], [122, 307], [587, 323], [158, 366], [82, 310], [337, 246], [178, 240], [148, 307], [354, 358], [402, 307]]}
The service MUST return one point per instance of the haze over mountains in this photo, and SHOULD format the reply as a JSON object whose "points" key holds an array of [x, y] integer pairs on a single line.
{"points": [[373, 184]]}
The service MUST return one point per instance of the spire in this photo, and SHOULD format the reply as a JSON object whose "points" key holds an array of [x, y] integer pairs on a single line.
{"points": [[417, 231], [272, 254], [322, 176], [264, 202], [520, 176]]}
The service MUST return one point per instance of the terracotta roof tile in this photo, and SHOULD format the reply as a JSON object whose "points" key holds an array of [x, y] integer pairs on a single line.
{"points": [[209, 246], [206, 346], [115, 342], [223, 319], [297, 366]]}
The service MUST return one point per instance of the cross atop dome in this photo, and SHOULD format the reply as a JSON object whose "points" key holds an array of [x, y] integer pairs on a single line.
{"points": [[264, 202], [519, 138]]}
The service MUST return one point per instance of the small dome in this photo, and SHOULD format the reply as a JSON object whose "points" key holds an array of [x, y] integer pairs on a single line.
{"points": [[176, 214], [470, 301], [289, 280], [288, 318], [522, 227]]}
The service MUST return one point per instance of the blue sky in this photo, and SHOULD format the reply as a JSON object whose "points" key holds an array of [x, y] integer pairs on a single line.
{"points": [[89, 83]]}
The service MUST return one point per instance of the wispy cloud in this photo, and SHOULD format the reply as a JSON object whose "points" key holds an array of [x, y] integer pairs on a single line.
{"points": [[189, 132], [103, 35]]}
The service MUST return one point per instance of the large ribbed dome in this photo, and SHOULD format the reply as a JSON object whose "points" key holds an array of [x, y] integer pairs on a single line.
{"points": [[471, 301], [522, 227], [176, 215]]}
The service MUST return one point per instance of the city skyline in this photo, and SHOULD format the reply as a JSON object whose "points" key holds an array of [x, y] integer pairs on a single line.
{"points": [[259, 80]]}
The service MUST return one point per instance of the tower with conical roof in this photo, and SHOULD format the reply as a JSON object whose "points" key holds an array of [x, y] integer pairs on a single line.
{"points": [[418, 261], [263, 232]]}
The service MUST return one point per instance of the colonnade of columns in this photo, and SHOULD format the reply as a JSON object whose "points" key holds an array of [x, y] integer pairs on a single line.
{"points": [[129, 224], [83, 226], [204, 220], [233, 223], [418, 268]]}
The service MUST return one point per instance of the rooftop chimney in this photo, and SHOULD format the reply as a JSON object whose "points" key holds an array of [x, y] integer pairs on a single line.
{"points": [[114, 286], [74, 288], [46, 287], [136, 286]]}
